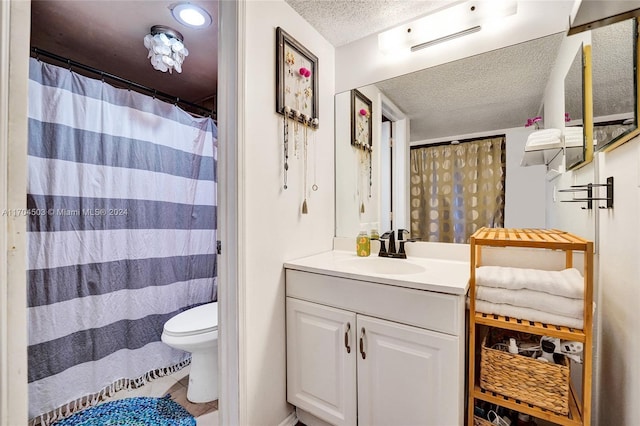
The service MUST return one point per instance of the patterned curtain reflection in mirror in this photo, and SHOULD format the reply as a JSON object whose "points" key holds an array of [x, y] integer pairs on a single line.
{"points": [[457, 188]]}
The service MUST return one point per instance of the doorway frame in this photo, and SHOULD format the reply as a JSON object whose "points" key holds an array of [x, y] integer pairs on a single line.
{"points": [[231, 296], [15, 23], [15, 20], [400, 163]]}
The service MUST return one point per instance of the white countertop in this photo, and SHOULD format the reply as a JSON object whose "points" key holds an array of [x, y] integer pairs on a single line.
{"points": [[443, 276]]}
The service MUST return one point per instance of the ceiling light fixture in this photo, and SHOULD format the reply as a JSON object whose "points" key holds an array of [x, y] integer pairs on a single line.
{"points": [[447, 24], [191, 15], [166, 48]]}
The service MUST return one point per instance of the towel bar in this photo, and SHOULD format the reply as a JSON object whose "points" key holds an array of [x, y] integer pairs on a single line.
{"points": [[589, 199]]}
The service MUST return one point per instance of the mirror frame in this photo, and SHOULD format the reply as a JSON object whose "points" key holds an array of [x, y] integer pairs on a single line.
{"points": [[580, 68], [636, 79], [587, 108]]}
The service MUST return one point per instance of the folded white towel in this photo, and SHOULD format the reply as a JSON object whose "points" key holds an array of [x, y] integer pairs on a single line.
{"points": [[546, 133], [542, 145], [573, 141], [566, 283], [526, 314], [532, 299], [542, 138], [573, 130], [533, 137]]}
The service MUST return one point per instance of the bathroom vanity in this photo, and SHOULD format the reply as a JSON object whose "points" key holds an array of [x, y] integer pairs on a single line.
{"points": [[376, 341]]}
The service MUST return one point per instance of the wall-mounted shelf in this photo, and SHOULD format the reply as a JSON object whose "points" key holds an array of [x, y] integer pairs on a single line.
{"points": [[589, 199], [542, 147]]}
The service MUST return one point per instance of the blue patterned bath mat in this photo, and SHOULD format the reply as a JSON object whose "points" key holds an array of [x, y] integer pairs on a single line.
{"points": [[140, 411]]}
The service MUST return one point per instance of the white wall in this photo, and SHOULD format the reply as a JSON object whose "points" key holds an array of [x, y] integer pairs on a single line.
{"points": [[617, 293], [570, 216], [619, 260], [524, 186], [273, 227]]}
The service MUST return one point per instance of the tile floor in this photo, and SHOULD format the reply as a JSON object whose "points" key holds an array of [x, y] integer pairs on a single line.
{"points": [[176, 385]]}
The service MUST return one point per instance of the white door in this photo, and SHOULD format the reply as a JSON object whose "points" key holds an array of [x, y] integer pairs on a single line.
{"points": [[406, 375], [321, 361]]}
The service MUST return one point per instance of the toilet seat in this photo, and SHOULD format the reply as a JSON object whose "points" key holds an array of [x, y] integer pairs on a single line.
{"points": [[199, 320]]}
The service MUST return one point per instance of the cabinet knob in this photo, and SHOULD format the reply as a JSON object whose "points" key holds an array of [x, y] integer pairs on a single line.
{"points": [[347, 334], [362, 352]]}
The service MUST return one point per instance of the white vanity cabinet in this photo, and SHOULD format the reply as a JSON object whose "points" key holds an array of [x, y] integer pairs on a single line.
{"points": [[407, 375], [365, 353], [321, 361]]}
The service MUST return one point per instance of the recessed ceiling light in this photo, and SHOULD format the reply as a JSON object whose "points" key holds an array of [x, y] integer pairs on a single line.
{"points": [[191, 15]]}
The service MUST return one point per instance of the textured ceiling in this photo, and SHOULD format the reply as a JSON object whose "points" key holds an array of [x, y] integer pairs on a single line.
{"points": [[108, 35], [344, 21], [612, 52], [495, 90]]}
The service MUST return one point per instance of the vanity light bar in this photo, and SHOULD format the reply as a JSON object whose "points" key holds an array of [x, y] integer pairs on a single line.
{"points": [[464, 17], [446, 38]]}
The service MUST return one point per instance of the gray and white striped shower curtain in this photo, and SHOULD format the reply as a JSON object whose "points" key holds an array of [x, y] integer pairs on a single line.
{"points": [[121, 235]]}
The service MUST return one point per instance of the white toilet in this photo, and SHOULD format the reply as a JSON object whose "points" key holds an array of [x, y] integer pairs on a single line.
{"points": [[196, 330]]}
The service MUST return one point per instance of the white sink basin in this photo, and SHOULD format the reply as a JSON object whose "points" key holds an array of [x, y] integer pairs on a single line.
{"points": [[382, 265]]}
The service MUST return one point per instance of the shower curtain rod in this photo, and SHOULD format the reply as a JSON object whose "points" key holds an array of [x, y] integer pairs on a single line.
{"points": [[176, 100], [460, 141]]}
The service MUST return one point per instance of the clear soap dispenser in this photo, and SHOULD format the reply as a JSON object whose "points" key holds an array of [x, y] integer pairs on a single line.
{"points": [[363, 243]]}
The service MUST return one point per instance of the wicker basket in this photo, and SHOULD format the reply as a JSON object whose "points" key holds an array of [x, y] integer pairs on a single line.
{"points": [[542, 384], [479, 421]]}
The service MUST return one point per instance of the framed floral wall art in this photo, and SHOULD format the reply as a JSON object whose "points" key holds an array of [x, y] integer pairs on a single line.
{"points": [[361, 123], [296, 80]]}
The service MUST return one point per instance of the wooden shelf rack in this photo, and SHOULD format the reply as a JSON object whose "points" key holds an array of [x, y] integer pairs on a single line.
{"points": [[549, 239]]}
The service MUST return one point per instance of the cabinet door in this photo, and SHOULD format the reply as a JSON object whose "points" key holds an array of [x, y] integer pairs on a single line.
{"points": [[321, 371], [408, 376]]}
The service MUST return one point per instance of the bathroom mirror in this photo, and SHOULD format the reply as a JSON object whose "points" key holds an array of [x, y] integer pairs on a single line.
{"points": [[574, 90], [490, 94], [615, 92]]}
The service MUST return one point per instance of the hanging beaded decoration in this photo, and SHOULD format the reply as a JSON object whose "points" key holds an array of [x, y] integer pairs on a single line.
{"points": [[297, 101], [361, 161], [287, 111], [361, 141], [296, 129], [315, 159], [369, 152], [305, 119]]}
